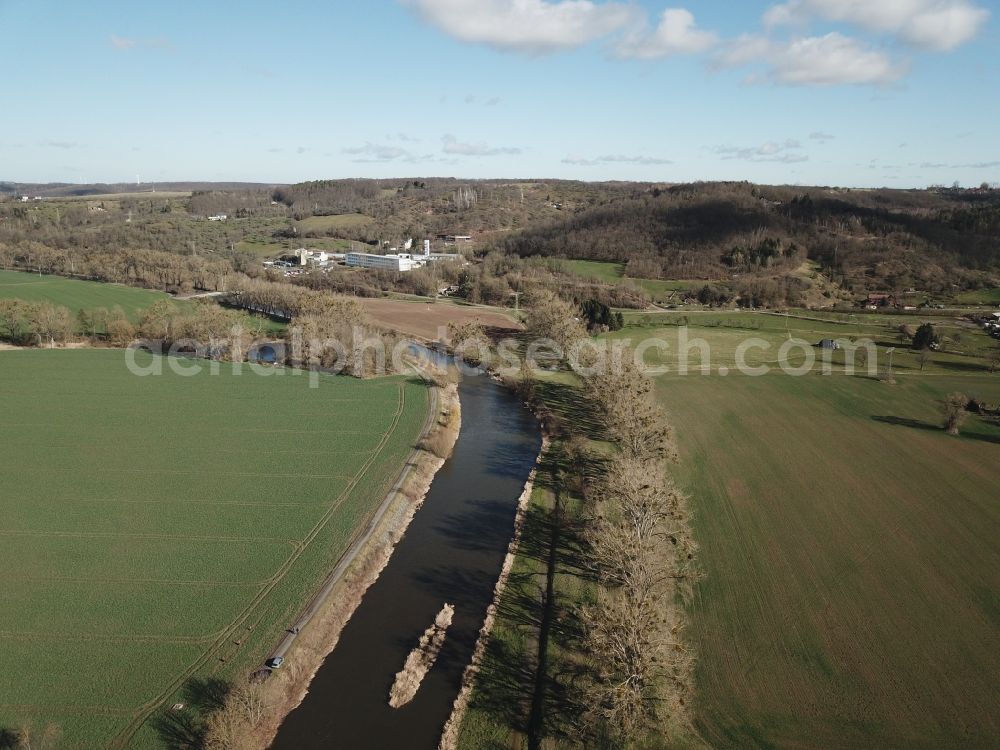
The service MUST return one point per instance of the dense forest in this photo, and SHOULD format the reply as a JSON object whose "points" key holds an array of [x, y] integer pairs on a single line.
{"points": [[862, 240]]}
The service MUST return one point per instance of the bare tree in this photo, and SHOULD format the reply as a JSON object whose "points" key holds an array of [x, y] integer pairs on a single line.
{"points": [[954, 411], [120, 330], [47, 739], [629, 408], [923, 357], [550, 317]]}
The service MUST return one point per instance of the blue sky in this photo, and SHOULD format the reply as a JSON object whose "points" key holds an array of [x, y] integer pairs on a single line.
{"points": [[839, 92]]}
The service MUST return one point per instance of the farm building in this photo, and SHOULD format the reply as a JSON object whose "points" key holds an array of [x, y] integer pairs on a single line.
{"points": [[829, 344], [880, 299]]}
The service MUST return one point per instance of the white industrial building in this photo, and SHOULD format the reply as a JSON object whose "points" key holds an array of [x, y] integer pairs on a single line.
{"points": [[396, 262], [400, 262], [314, 257]]}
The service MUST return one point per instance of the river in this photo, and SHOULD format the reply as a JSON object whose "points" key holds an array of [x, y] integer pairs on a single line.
{"points": [[452, 553]]}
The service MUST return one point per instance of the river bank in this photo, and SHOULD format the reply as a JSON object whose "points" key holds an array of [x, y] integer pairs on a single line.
{"points": [[449, 737], [288, 686], [452, 552]]}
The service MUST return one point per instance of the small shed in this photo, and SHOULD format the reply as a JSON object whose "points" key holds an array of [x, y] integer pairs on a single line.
{"points": [[829, 344]]}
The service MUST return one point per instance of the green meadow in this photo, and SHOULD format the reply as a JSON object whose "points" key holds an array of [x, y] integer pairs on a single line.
{"points": [[326, 224], [76, 294], [847, 542], [613, 273], [849, 552], [165, 528]]}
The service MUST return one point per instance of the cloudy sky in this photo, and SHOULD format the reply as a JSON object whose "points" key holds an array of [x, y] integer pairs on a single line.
{"points": [[838, 92]]}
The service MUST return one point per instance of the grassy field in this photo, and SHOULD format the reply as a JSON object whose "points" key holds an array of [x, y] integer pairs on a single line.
{"points": [[75, 294], [966, 351], [848, 545], [601, 270], [979, 297], [262, 249], [612, 273], [159, 529], [324, 224]]}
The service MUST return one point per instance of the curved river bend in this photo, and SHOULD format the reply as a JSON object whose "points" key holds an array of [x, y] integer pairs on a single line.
{"points": [[451, 553]]}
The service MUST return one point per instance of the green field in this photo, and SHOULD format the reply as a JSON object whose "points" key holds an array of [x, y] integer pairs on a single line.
{"points": [[851, 565], [326, 224], [601, 270], [979, 297], [157, 529], [850, 577], [848, 543], [612, 273], [262, 249], [967, 348], [75, 294]]}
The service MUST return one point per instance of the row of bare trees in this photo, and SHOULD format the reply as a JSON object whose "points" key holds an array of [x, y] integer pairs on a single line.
{"points": [[644, 553], [642, 550], [46, 324], [35, 323], [146, 268], [285, 301]]}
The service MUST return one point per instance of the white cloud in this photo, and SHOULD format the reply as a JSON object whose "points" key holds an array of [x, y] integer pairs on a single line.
{"points": [[787, 152], [60, 144], [832, 59], [121, 42], [676, 34], [817, 60], [457, 148], [743, 50], [974, 165], [929, 24], [615, 159], [472, 99], [376, 152], [533, 26]]}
